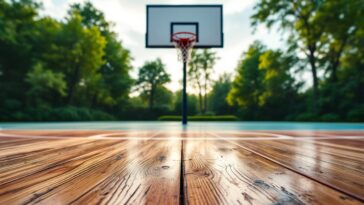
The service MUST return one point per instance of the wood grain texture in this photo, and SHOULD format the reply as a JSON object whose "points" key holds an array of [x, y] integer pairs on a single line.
{"points": [[336, 162], [100, 167], [84, 171], [219, 172]]}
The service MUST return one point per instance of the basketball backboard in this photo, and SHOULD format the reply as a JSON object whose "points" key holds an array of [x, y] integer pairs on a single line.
{"points": [[206, 21]]}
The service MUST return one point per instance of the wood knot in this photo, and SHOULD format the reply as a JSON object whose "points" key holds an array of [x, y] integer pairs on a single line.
{"points": [[162, 158], [165, 167]]}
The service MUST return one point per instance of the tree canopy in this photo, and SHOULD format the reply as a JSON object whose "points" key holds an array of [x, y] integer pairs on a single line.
{"points": [[152, 76], [77, 68]]}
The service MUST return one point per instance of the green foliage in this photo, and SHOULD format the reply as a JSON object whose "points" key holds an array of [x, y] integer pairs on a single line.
{"points": [[116, 81], [277, 80], [218, 95], [82, 50], [192, 101], [164, 98], [17, 28], [170, 118], [200, 70], [326, 32], [248, 86], [76, 68], [357, 114], [45, 113], [151, 76], [330, 117], [306, 117], [69, 63], [300, 20], [280, 95], [80, 114], [44, 82], [264, 87], [200, 118]]}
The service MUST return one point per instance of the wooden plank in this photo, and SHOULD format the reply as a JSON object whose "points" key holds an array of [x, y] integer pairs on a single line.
{"points": [[219, 172], [89, 171], [73, 167], [340, 165]]}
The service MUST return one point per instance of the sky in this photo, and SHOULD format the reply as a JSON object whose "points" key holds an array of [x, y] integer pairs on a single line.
{"points": [[129, 17]]}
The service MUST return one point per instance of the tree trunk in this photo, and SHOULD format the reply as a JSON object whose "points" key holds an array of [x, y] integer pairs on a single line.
{"points": [[93, 101], [151, 98], [73, 82], [200, 101], [205, 94], [205, 101], [312, 60], [336, 60], [200, 96]]}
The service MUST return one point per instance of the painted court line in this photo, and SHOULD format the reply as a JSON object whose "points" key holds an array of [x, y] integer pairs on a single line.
{"points": [[108, 136], [93, 137]]}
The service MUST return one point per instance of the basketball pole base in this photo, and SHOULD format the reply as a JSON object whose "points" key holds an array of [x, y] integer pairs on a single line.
{"points": [[184, 95]]}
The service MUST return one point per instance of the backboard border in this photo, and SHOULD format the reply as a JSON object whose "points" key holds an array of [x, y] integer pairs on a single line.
{"points": [[185, 5]]}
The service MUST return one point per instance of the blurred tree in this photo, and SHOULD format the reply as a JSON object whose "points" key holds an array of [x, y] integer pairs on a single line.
{"points": [[17, 29], [81, 52], [195, 76], [164, 98], [117, 60], [208, 60], [264, 87], [218, 95], [341, 21], [200, 70], [70, 69], [279, 98], [45, 84], [248, 83], [321, 30], [91, 17], [46, 42], [300, 19], [192, 102], [152, 75]]}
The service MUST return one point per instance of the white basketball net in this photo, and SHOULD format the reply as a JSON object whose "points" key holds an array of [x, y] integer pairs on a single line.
{"points": [[184, 42]]}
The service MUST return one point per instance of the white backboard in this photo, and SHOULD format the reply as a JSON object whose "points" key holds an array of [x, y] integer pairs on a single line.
{"points": [[206, 21]]}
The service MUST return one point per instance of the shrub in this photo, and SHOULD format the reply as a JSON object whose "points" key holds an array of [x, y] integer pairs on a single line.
{"points": [[170, 118], [306, 117], [102, 116], [79, 114], [356, 115], [330, 117], [69, 113], [200, 118]]}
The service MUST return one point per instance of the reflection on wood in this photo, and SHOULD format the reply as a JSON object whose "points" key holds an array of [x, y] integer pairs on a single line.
{"points": [[218, 172], [81, 167], [90, 172], [339, 163]]}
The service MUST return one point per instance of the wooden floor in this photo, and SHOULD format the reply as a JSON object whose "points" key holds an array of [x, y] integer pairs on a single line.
{"points": [[181, 167]]}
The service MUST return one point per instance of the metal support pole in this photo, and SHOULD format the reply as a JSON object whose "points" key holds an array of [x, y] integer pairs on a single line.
{"points": [[184, 95]]}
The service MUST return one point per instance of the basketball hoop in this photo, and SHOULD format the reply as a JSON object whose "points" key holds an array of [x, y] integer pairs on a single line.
{"points": [[184, 42], [197, 26]]}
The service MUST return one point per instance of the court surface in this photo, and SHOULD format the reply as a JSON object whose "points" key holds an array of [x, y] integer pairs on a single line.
{"points": [[181, 167]]}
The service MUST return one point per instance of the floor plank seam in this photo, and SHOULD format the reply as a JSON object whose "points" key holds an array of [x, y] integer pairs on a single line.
{"points": [[182, 178], [354, 196]]}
